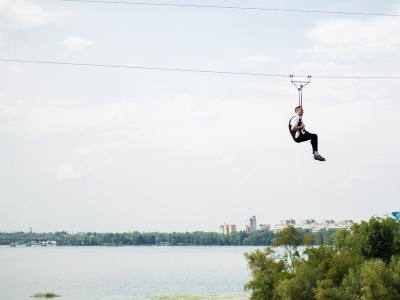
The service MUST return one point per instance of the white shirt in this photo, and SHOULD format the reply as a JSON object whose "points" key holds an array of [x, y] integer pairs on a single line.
{"points": [[295, 122]]}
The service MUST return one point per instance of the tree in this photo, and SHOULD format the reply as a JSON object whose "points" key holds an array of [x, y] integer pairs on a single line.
{"points": [[326, 289], [288, 238], [378, 237], [362, 263], [266, 272], [299, 286], [377, 281], [308, 239]]}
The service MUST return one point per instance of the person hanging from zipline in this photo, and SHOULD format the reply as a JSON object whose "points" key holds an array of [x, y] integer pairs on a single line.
{"points": [[299, 134], [297, 127]]}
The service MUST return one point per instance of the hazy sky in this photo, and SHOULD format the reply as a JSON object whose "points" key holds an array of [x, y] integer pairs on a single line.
{"points": [[116, 149]]}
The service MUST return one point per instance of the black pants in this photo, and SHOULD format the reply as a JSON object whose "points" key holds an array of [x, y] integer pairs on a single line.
{"points": [[307, 137]]}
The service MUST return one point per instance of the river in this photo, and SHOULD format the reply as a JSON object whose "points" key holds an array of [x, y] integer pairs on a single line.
{"points": [[124, 273]]}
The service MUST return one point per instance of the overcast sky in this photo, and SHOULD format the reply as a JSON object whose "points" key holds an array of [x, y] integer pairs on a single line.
{"points": [[115, 149]]}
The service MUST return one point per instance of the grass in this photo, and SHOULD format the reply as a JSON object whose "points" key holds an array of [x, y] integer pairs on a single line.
{"points": [[45, 295]]}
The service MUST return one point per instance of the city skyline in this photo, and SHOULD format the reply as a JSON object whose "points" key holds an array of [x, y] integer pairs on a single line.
{"points": [[228, 227], [312, 224]]}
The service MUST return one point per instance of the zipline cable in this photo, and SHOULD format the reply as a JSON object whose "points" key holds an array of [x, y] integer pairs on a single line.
{"points": [[140, 67], [189, 70], [234, 7]]}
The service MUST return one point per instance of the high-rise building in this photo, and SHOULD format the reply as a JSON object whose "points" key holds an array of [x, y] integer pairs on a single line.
{"points": [[251, 224]]}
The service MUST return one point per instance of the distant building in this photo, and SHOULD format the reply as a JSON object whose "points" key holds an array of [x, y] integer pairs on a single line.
{"points": [[314, 226], [327, 222], [251, 224], [282, 224], [264, 227], [221, 229], [307, 222], [345, 224], [229, 228]]}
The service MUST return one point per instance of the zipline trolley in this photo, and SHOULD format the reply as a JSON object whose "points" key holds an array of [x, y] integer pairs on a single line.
{"points": [[299, 86]]}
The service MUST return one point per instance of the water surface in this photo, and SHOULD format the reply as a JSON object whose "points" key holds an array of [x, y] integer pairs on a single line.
{"points": [[106, 273]]}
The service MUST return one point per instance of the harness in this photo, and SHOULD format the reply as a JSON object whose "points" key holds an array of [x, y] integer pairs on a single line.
{"points": [[293, 133]]}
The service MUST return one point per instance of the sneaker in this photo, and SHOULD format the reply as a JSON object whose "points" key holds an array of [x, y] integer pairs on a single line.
{"points": [[319, 157]]}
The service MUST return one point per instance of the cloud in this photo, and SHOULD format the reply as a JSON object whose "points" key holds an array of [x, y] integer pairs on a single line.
{"points": [[349, 39], [353, 47], [348, 47], [76, 43], [24, 13], [67, 172]]}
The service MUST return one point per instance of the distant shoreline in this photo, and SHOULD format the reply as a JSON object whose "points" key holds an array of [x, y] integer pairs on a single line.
{"points": [[236, 238]]}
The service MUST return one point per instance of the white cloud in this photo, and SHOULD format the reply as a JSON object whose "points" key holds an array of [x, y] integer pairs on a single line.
{"points": [[348, 39], [370, 47], [24, 13], [67, 172], [76, 43]]}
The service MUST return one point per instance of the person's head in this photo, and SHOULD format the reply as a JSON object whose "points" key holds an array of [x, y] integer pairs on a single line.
{"points": [[299, 110]]}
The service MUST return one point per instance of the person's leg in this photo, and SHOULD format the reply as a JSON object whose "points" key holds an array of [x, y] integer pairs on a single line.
{"points": [[312, 137], [314, 142]]}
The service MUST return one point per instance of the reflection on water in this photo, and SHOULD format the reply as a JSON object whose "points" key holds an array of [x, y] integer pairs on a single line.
{"points": [[117, 273]]}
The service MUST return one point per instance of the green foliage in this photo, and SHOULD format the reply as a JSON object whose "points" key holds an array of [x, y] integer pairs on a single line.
{"points": [[362, 263], [308, 239], [299, 287], [289, 238], [378, 238], [198, 238], [351, 285], [265, 271], [327, 290], [324, 236]]}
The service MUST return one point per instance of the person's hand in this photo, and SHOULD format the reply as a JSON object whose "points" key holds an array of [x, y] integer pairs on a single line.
{"points": [[302, 125]]}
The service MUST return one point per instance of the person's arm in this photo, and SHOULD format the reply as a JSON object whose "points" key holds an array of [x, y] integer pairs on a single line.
{"points": [[295, 128], [294, 123]]}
